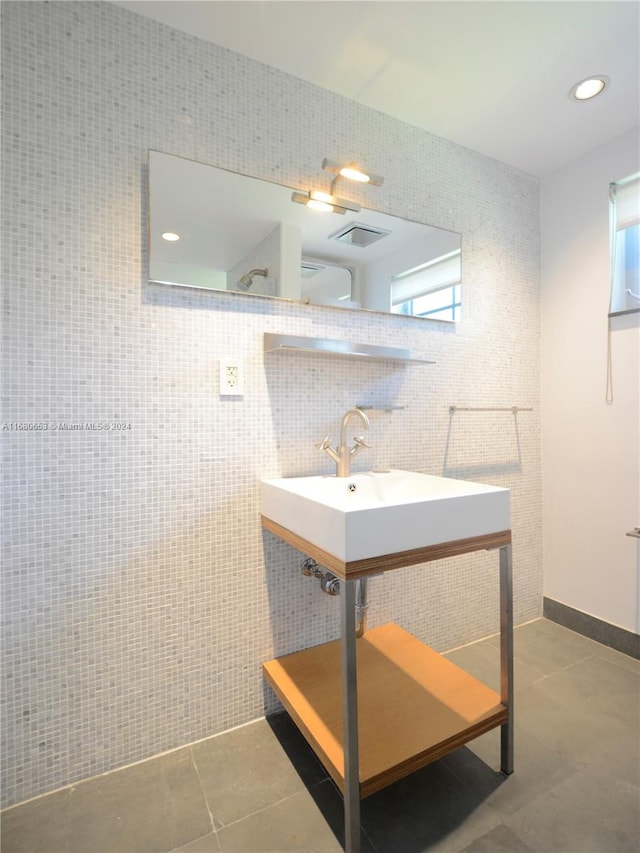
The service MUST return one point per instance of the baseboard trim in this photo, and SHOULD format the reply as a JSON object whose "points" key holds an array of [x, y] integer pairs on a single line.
{"points": [[596, 629]]}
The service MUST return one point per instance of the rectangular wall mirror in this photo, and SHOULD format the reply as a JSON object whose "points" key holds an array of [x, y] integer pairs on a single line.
{"points": [[215, 229]]}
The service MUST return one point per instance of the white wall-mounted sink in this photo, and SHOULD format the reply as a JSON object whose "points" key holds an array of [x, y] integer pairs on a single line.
{"points": [[376, 513]]}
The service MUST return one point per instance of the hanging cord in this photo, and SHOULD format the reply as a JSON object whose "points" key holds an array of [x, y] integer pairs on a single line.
{"points": [[609, 394], [612, 272]]}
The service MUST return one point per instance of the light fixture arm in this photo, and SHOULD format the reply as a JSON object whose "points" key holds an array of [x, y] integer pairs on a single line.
{"points": [[334, 183]]}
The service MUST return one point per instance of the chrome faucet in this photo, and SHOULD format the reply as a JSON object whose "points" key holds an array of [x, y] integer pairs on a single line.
{"points": [[343, 455]]}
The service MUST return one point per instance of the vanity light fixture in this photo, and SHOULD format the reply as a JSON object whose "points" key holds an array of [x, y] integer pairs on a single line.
{"points": [[326, 202], [170, 236], [330, 202], [589, 88], [352, 171]]}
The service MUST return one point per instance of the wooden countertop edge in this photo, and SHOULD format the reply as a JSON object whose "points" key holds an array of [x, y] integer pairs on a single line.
{"points": [[375, 565]]}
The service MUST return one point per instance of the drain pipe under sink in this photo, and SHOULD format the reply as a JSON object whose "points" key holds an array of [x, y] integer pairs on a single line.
{"points": [[331, 585]]}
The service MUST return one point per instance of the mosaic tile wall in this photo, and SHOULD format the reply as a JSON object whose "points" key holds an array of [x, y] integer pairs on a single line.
{"points": [[140, 595]]}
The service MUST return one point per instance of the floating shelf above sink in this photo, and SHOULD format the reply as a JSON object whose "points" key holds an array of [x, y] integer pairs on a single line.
{"points": [[279, 343]]}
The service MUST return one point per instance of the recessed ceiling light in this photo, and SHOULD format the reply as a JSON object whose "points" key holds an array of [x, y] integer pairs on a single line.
{"points": [[170, 236], [589, 88]]}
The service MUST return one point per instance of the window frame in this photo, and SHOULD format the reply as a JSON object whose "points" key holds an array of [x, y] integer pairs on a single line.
{"points": [[624, 246]]}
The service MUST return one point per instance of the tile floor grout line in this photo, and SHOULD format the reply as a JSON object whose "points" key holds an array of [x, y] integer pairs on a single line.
{"points": [[565, 668], [603, 657], [204, 796], [490, 636], [263, 809]]}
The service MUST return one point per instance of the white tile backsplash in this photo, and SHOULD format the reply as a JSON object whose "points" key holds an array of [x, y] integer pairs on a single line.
{"points": [[140, 594]]}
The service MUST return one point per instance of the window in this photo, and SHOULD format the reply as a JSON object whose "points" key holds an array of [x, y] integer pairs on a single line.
{"points": [[625, 245], [431, 290]]}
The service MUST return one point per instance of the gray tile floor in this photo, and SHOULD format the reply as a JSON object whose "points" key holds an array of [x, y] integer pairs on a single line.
{"points": [[260, 789]]}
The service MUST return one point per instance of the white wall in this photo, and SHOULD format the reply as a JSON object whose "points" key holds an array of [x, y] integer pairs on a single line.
{"points": [[591, 449]]}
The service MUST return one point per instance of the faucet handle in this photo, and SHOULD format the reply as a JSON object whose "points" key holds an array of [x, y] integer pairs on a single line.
{"points": [[359, 444], [328, 448], [360, 441]]}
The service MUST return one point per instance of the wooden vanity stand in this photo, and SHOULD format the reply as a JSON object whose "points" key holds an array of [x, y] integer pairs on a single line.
{"points": [[377, 708]]}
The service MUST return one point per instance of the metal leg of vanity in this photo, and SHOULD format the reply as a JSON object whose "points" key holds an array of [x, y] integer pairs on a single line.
{"points": [[506, 657], [350, 695], [350, 718]]}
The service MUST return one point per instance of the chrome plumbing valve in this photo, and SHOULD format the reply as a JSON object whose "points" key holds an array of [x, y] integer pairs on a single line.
{"points": [[329, 583], [311, 569]]}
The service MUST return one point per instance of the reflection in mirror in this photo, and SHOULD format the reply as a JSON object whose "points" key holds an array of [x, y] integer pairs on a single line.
{"points": [[215, 229]]}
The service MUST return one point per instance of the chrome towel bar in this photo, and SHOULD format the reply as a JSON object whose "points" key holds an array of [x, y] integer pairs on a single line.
{"points": [[513, 409]]}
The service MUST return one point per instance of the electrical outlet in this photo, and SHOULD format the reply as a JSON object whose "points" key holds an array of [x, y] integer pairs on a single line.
{"points": [[231, 377]]}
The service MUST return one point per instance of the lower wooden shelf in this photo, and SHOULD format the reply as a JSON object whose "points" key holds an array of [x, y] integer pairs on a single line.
{"points": [[414, 706]]}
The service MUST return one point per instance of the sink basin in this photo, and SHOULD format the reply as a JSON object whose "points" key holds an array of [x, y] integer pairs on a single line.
{"points": [[377, 513]]}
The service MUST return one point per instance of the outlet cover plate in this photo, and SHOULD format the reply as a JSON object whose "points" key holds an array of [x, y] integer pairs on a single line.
{"points": [[231, 377]]}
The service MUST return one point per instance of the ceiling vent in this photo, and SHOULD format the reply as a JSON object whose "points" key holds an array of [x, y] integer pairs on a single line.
{"points": [[357, 234]]}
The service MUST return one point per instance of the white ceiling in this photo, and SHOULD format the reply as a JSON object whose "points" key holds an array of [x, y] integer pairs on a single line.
{"points": [[492, 76]]}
